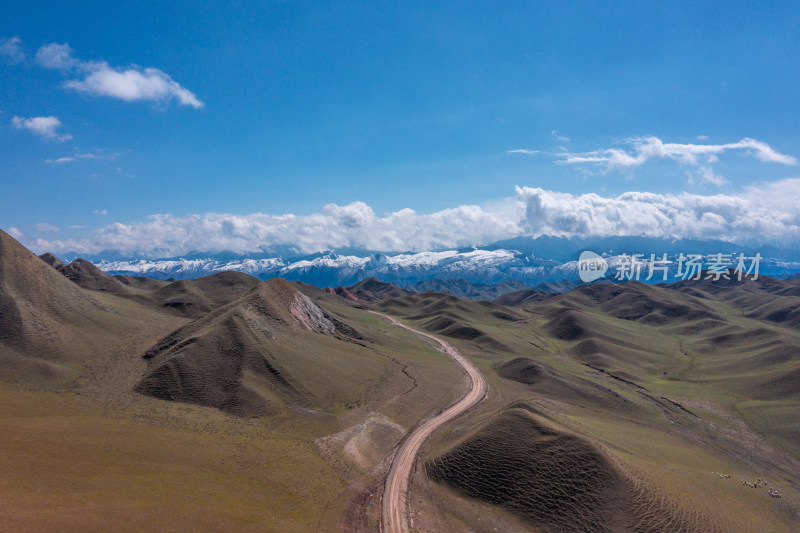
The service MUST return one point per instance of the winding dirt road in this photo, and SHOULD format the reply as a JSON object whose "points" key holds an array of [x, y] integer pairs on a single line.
{"points": [[395, 513]]}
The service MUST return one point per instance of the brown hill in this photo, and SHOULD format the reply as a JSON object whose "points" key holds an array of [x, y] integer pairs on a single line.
{"points": [[246, 357], [193, 298], [52, 260], [343, 292], [522, 298], [36, 302], [85, 274], [765, 298], [547, 381], [49, 326], [640, 302], [554, 480], [462, 288], [371, 290], [141, 282], [453, 317]]}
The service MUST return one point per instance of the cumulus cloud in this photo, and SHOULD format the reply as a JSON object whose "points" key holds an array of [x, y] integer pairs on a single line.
{"points": [[45, 126], [98, 78], [11, 50], [759, 214], [47, 228], [763, 214], [352, 225], [134, 84]]}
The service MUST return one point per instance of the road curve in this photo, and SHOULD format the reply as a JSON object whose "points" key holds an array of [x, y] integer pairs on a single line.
{"points": [[394, 511]]}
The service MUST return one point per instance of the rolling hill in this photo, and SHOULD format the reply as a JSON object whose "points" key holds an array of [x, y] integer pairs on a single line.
{"points": [[245, 357], [50, 327]]}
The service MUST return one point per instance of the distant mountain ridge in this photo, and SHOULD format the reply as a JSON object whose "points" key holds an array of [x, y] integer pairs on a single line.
{"points": [[525, 260]]}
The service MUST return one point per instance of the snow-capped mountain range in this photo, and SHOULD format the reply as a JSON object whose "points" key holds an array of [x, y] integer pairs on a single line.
{"points": [[488, 265]]}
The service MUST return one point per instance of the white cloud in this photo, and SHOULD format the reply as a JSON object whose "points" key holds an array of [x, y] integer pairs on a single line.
{"points": [[134, 84], [84, 155], [47, 228], [706, 175], [11, 50], [559, 138], [98, 78], [644, 149], [520, 151], [44, 126], [101, 212], [16, 233], [768, 213], [647, 148], [56, 56], [759, 214], [354, 215], [335, 226]]}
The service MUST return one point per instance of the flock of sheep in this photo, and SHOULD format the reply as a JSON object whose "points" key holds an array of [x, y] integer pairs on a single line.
{"points": [[754, 485]]}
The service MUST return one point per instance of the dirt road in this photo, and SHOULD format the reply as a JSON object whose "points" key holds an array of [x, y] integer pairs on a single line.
{"points": [[395, 512]]}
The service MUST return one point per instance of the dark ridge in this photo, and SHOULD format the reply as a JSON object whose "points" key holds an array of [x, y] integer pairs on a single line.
{"points": [[462, 288], [615, 376], [141, 282], [522, 298], [556, 481], [681, 407], [567, 325], [52, 260], [372, 290], [86, 275]]}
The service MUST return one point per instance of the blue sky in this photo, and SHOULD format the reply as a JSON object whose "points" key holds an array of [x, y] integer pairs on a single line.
{"points": [[280, 123]]}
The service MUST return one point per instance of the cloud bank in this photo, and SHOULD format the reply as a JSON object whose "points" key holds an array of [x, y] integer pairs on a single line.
{"points": [[765, 214], [98, 78]]}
